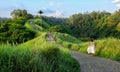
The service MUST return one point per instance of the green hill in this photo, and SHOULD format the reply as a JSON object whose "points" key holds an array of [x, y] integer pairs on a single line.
{"points": [[67, 41], [37, 55], [108, 48], [37, 25], [49, 49], [60, 38]]}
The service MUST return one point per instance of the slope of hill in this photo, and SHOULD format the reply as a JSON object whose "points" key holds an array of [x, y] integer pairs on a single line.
{"points": [[63, 39], [67, 41], [42, 23], [37, 55], [60, 38], [37, 25], [65, 61], [33, 27]]}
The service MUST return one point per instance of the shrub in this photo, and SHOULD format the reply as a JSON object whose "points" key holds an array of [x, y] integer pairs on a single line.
{"points": [[75, 47]]}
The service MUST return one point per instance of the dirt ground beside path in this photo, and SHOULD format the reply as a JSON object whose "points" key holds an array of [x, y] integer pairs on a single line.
{"points": [[95, 64]]}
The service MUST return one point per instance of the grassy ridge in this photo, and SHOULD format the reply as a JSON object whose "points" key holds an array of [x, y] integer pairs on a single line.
{"points": [[107, 48], [36, 55], [67, 41], [27, 25], [41, 23], [36, 25]]}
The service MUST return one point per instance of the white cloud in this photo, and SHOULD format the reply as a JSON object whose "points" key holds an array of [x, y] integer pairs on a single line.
{"points": [[115, 1], [52, 3], [56, 14], [118, 5], [47, 10], [50, 12]]}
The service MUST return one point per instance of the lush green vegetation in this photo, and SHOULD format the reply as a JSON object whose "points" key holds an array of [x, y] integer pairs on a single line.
{"points": [[67, 41], [36, 55], [83, 26], [33, 53], [95, 25], [107, 48], [14, 31]]}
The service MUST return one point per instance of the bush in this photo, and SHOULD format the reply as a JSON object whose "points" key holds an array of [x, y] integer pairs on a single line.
{"points": [[75, 47], [15, 33], [56, 28]]}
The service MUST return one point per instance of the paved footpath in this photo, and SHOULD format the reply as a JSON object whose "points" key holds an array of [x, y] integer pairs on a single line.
{"points": [[95, 64]]}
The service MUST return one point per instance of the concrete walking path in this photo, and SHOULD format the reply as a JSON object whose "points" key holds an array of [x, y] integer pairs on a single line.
{"points": [[95, 64]]}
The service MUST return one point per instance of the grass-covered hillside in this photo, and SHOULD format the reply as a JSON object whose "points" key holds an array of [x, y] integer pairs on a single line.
{"points": [[37, 25], [67, 41], [107, 48], [36, 55], [39, 54]]}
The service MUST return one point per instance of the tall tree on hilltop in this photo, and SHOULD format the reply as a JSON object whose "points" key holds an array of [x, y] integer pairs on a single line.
{"points": [[40, 12]]}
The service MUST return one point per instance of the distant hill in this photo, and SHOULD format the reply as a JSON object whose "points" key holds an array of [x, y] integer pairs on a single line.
{"points": [[54, 20], [3, 18]]}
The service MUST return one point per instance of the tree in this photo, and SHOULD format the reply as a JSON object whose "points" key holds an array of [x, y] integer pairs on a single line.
{"points": [[19, 13], [24, 13], [30, 16], [15, 13], [40, 12], [11, 31], [88, 24], [56, 28]]}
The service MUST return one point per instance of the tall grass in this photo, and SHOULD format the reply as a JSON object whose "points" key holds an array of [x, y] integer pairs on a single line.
{"points": [[36, 55], [107, 48]]}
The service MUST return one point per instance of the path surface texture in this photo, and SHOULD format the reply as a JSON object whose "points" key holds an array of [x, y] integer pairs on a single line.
{"points": [[90, 63]]}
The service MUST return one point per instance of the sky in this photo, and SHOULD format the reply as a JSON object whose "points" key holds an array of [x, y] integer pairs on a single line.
{"points": [[58, 8]]}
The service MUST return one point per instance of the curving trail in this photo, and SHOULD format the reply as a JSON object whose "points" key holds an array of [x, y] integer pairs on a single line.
{"points": [[95, 64]]}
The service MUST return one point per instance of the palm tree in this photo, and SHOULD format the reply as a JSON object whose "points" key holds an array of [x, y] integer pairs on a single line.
{"points": [[40, 12]]}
